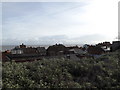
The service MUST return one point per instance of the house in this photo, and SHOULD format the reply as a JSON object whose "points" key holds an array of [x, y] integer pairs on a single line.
{"points": [[77, 51], [22, 46], [57, 49], [41, 50], [95, 51], [23, 57], [22, 49], [85, 46], [105, 46], [72, 57], [115, 45], [106, 49], [17, 51], [26, 54], [71, 47], [29, 50], [4, 56]]}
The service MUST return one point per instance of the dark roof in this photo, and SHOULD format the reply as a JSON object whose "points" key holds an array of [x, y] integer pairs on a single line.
{"points": [[41, 48], [71, 47], [95, 50], [56, 48], [104, 44], [13, 56], [17, 49]]}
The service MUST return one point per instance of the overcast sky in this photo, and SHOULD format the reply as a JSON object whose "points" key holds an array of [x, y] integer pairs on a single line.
{"points": [[88, 21]]}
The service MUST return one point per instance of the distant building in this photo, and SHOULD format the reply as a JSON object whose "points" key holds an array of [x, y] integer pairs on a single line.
{"points": [[71, 47], [115, 45], [22, 49], [17, 51], [29, 50], [95, 51], [4, 56], [77, 51], [57, 49], [22, 46], [7, 51], [106, 49], [85, 47], [41, 50], [105, 46]]}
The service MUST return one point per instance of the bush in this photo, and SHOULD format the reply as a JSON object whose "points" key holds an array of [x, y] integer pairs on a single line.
{"points": [[64, 73]]}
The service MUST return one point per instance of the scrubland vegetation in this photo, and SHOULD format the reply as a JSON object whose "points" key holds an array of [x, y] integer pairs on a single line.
{"points": [[103, 72]]}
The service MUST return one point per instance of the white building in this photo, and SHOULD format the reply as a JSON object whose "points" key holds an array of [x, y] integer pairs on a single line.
{"points": [[16, 51]]}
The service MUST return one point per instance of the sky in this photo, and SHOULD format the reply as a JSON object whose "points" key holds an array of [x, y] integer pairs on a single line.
{"points": [[44, 23]]}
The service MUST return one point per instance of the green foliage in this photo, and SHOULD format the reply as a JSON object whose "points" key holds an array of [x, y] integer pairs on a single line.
{"points": [[64, 73]]}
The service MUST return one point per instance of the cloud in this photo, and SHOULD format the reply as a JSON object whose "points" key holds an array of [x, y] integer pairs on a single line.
{"points": [[46, 40], [37, 24], [90, 39], [63, 39], [49, 22], [44, 0]]}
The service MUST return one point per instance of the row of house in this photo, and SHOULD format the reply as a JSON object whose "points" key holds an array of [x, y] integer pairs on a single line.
{"points": [[22, 49], [59, 49], [76, 52]]}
